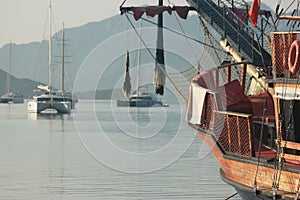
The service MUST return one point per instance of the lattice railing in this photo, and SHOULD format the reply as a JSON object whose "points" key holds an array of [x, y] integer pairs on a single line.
{"points": [[232, 130]]}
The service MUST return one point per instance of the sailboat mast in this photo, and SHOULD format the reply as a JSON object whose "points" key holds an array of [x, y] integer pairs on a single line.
{"points": [[63, 60], [8, 81], [139, 61], [50, 49]]}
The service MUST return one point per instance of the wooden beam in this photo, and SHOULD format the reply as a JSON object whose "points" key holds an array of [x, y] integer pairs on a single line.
{"points": [[290, 145]]}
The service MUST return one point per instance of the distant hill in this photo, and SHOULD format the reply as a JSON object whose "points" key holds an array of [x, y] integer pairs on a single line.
{"points": [[23, 86], [29, 61]]}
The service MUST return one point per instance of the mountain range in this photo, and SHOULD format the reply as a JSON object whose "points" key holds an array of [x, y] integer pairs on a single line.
{"points": [[100, 48], [30, 61]]}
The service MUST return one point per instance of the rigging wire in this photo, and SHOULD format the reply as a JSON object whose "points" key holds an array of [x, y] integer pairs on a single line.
{"points": [[231, 196], [180, 34], [122, 4], [260, 143], [183, 32]]}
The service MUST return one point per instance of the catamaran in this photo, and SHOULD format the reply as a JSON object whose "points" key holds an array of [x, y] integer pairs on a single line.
{"points": [[46, 98]]}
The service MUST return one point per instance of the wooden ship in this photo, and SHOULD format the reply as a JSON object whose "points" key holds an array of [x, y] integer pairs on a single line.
{"points": [[249, 115], [247, 109]]}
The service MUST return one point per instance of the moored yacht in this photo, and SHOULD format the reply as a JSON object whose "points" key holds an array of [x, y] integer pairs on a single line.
{"points": [[141, 98], [45, 97], [45, 100], [11, 98]]}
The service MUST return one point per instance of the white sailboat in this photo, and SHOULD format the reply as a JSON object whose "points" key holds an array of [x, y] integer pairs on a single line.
{"points": [[9, 96], [45, 97]]}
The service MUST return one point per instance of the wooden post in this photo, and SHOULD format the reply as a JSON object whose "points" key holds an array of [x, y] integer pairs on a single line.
{"points": [[228, 132], [229, 74], [239, 134], [243, 78]]}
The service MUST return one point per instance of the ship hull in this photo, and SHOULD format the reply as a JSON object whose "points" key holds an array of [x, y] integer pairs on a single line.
{"points": [[240, 173], [121, 103], [38, 107]]}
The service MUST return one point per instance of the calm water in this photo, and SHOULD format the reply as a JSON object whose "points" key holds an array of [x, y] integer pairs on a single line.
{"points": [[103, 152]]}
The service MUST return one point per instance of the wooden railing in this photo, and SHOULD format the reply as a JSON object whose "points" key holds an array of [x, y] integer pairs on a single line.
{"points": [[232, 130], [292, 146]]}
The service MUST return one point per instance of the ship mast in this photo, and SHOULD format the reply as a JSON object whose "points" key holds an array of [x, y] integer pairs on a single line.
{"points": [[50, 50], [63, 60], [8, 81], [160, 61]]}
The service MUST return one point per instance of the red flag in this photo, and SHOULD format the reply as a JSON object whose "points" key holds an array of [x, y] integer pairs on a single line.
{"points": [[253, 12]]}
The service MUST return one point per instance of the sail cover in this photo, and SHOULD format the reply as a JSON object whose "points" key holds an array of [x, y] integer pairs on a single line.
{"points": [[127, 84], [151, 11]]}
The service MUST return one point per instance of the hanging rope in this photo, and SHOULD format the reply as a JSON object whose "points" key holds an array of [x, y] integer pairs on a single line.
{"points": [[123, 3], [188, 42], [180, 34], [231, 196], [151, 54], [260, 144]]}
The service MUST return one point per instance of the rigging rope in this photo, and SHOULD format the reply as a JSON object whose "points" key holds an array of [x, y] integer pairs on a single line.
{"points": [[151, 54], [181, 28], [231, 196], [260, 143], [180, 34]]}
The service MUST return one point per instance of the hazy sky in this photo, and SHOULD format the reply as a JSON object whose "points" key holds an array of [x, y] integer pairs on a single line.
{"points": [[23, 21]]}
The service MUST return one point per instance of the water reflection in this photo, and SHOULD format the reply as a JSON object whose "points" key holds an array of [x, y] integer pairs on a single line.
{"points": [[42, 157], [50, 116]]}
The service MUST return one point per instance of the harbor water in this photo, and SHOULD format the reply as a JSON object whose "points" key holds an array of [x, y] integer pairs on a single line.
{"points": [[100, 151]]}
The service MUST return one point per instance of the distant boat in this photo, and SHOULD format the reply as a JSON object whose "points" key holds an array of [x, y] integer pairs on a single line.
{"points": [[141, 98], [45, 97], [10, 97]]}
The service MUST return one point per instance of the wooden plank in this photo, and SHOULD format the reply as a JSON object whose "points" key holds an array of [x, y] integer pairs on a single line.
{"points": [[289, 17], [290, 145], [290, 156]]}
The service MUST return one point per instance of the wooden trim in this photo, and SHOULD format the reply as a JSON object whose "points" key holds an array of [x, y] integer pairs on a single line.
{"points": [[235, 114], [228, 74], [290, 156], [233, 64], [244, 71], [289, 17], [239, 134], [290, 85], [290, 145]]}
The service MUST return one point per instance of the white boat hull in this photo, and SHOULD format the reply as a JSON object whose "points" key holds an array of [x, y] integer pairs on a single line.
{"points": [[38, 107]]}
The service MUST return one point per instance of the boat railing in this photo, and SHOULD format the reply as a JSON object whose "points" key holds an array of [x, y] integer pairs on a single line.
{"points": [[227, 111], [288, 151], [232, 130]]}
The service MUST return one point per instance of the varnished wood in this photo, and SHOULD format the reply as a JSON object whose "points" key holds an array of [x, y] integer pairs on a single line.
{"points": [[289, 17], [235, 114], [243, 79], [290, 145], [290, 156]]}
